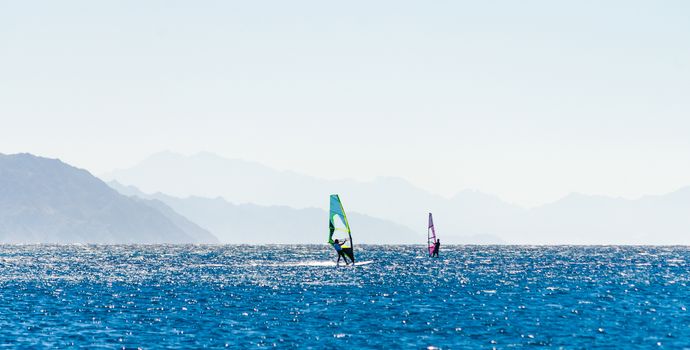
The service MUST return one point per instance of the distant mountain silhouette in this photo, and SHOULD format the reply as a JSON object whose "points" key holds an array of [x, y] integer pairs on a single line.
{"points": [[208, 175], [47, 201], [468, 217], [237, 181], [253, 224], [584, 219]]}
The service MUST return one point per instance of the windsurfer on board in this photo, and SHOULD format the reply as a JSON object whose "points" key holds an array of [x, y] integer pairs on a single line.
{"points": [[434, 253], [339, 249]]}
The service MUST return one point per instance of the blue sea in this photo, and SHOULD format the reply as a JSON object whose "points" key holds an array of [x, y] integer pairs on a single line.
{"points": [[246, 297]]}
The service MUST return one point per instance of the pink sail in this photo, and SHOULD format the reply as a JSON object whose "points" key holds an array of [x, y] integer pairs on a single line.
{"points": [[431, 235]]}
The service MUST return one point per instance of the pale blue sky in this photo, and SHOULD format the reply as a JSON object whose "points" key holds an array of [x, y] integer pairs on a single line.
{"points": [[529, 100]]}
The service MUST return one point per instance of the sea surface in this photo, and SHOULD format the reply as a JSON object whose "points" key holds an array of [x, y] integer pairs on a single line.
{"points": [[254, 297]]}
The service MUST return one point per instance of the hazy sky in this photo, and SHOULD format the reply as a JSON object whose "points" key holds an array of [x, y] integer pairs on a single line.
{"points": [[529, 100]]}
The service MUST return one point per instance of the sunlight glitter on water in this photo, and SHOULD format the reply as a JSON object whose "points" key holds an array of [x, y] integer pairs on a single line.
{"points": [[160, 296]]}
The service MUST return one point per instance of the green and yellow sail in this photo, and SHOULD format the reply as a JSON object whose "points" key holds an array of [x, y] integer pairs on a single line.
{"points": [[338, 226]]}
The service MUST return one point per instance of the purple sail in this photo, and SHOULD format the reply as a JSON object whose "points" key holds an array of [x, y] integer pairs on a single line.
{"points": [[431, 235]]}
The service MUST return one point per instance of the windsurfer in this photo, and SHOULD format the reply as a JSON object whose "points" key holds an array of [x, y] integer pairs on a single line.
{"points": [[436, 246], [339, 249]]}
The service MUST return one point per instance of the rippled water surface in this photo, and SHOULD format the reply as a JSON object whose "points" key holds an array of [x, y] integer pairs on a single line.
{"points": [[292, 296]]}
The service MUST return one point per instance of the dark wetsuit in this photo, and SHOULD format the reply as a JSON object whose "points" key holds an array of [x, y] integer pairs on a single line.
{"points": [[436, 246]]}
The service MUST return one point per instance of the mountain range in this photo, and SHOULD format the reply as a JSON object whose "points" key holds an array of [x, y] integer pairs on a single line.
{"points": [[256, 224], [467, 217], [47, 201], [243, 182]]}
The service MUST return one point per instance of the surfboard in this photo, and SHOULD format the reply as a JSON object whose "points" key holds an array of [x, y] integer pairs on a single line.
{"points": [[357, 264]]}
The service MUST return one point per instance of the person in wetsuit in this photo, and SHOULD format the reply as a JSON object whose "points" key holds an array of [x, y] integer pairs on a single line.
{"points": [[339, 249], [437, 245]]}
